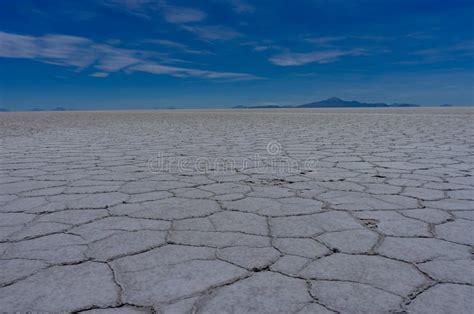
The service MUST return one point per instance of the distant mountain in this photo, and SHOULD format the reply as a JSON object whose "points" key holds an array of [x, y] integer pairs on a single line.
{"points": [[333, 102], [4, 110], [58, 109]]}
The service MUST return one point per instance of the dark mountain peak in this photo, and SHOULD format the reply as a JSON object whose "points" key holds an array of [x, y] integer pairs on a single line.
{"points": [[332, 102], [335, 102], [334, 99]]}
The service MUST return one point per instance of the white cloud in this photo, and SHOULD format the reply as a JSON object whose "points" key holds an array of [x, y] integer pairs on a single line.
{"points": [[295, 59], [155, 68], [147, 8], [374, 37], [100, 74], [213, 32], [263, 45], [80, 53], [140, 8], [333, 41], [464, 49], [17, 46], [129, 4], [67, 50], [57, 49], [326, 40], [419, 35], [113, 59], [180, 15], [177, 46], [261, 48], [167, 43], [240, 6]]}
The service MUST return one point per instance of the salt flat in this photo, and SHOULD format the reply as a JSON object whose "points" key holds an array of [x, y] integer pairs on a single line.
{"points": [[222, 211]]}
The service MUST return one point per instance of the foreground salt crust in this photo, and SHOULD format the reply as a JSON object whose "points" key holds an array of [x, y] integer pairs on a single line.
{"points": [[380, 221]]}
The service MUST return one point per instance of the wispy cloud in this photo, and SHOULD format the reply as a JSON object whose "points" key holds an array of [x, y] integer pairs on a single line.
{"points": [[375, 38], [155, 68], [333, 41], [140, 8], [296, 59], [326, 40], [263, 45], [146, 8], [176, 46], [166, 43], [240, 6], [113, 59], [419, 35], [100, 74], [464, 49], [181, 15], [213, 32], [261, 48], [82, 53], [57, 49]]}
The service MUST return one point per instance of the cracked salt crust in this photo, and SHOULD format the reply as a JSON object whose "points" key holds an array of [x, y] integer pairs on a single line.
{"points": [[383, 223]]}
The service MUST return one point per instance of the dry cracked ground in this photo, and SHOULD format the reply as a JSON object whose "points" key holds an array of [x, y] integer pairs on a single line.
{"points": [[92, 220]]}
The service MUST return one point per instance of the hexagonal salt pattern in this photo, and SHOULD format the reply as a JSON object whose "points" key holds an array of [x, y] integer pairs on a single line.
{"points": [[118, 212]]}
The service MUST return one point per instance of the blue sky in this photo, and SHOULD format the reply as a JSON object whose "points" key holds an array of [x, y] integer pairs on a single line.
{"points": [[106, 54]]}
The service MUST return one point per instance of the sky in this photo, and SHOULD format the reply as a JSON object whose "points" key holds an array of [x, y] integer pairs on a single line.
{"points": [[138, 54]]}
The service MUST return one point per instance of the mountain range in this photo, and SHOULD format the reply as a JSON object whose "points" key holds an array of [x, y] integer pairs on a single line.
{"points": [[332, 102]]}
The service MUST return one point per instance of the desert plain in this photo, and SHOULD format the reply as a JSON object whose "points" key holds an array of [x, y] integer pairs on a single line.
{"points": [[237, 211]]}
